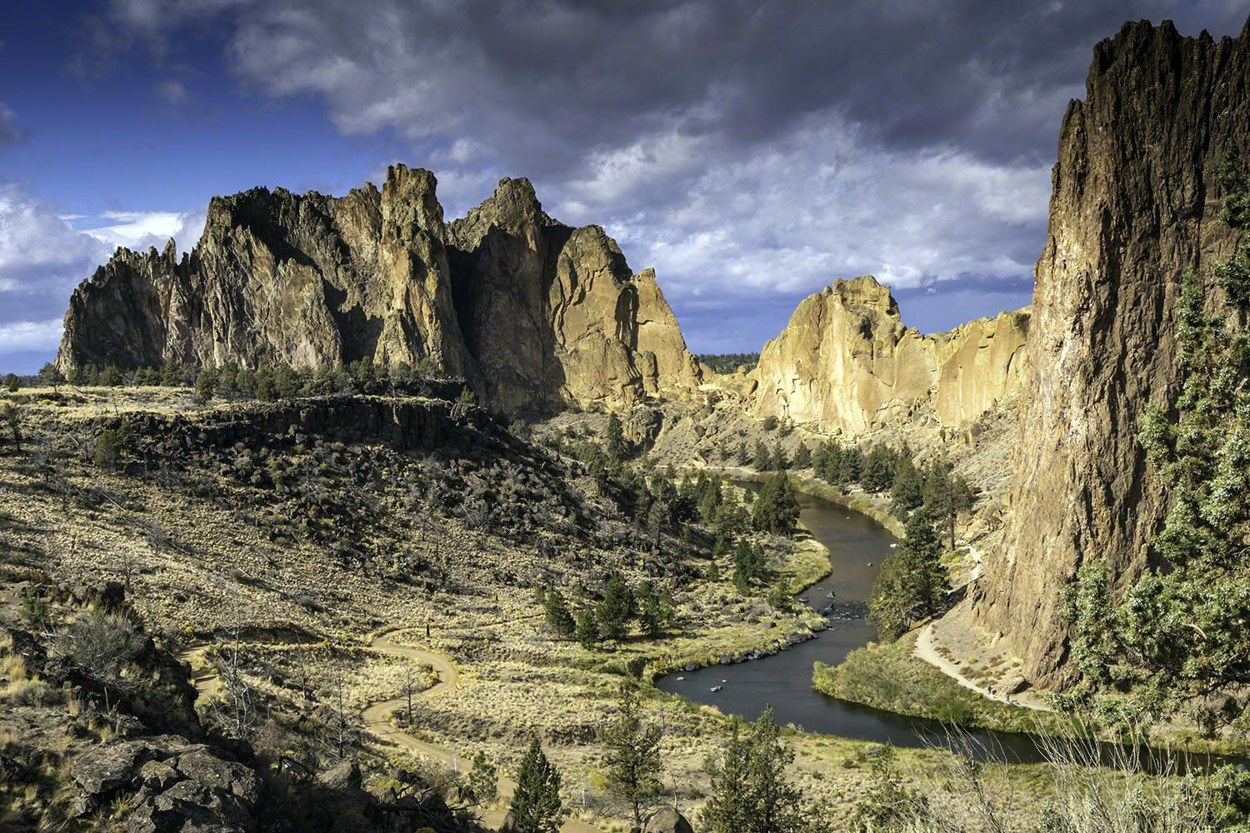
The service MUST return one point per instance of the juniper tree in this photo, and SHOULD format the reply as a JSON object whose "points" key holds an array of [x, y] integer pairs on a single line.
{"points": [[632, 754], [536, 804], [750, 792], [616, 608], [1177, 636], [556, 613], [586, 628]]}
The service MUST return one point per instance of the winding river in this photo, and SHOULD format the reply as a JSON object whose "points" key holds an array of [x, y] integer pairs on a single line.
{"points": [[857, 545]]}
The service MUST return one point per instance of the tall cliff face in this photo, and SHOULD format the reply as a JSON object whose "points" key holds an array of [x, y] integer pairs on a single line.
{"points": [[552, 311], [533, 312], [845, 362], [1133, 207], [282, 278]]}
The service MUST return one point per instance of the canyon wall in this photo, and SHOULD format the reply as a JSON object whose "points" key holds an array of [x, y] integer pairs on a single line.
{"points": [[532, 312], [845, 363], [1134, 205]]}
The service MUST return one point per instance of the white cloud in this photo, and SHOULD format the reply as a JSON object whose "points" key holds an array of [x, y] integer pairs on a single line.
{"points": [[43, 257], [143, 229], [23, 336]]}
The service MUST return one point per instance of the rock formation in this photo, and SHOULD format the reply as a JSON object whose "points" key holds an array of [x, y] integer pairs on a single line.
{"points": [[845, 362], [1134, 205], [550, 311], [533, 312]]}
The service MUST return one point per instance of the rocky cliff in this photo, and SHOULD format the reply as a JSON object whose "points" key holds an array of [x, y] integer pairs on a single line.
{"points": [[1134, 205], [846, 363], [550, 309], [533, 312]]}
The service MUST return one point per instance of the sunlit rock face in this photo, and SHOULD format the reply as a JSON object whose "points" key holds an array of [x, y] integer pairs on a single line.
{"points": [[534, 313], [1134, 205], [845, 363]]}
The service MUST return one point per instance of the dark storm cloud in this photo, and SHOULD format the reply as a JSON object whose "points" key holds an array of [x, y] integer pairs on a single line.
{"points": [[745, 149]]}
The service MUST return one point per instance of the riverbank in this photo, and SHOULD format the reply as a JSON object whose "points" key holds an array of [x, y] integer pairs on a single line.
{"points": [[876, 507], [889, 677]]}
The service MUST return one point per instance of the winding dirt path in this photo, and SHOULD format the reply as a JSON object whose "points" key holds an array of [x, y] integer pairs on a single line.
{"points": [[376, 717]]}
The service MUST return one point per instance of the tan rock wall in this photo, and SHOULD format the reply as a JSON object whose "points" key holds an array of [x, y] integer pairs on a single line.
{"points": [[845, 362]]}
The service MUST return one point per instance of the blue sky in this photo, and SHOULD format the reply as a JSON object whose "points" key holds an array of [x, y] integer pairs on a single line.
{"points": [[751, 152]]}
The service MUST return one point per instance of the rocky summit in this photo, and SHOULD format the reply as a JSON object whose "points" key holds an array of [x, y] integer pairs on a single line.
{"points": [[847, 364], [534, 313]]}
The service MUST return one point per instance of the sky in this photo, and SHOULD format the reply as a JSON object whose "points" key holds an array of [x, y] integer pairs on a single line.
{"points": [[751, 152]]}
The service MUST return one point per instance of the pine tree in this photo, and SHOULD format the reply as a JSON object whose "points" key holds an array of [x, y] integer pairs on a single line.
{"points": [[655, 609], [614, 439], [879, 469], [946, 496], [908, 490], [777, 507], [616, 609], [556, 612], [586, 630], [536, 805], [763, 461], [632, 754], [750, 792], [802, 457], [912, 583]]}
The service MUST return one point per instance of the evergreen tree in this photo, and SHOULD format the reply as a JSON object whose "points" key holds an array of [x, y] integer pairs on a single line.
{"points": [[536, 805], [779, 459], [205, 385], [750, 792], [763, 461], [1178, 635], [946, 496], [879, 469], [586, 630], [908, 491], [912, 583], [614, 439], [632, 754], [802, 457], [748, 565], [655, 609], [851, 465], [742, 456], [11, 382], [777, 507], [50, 376], [616, 608], [556, 612]]}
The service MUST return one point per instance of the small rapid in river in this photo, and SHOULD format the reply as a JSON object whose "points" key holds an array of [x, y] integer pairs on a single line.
{"points": [[857, 545]]}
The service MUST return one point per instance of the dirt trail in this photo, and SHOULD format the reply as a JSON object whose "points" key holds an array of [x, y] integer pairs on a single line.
{"points": [[376, 717]]}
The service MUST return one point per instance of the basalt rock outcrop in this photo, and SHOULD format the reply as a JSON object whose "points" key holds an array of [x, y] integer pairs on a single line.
{"points": [[846, 363], [1134, 205], [532, 312]]}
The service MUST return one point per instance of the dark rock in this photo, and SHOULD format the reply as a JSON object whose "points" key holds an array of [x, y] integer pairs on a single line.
{"points": [[668, 820]]}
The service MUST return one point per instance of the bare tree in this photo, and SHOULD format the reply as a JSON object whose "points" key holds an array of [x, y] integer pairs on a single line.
{"points": [[234, 710], [341, 728], [410, 688]]}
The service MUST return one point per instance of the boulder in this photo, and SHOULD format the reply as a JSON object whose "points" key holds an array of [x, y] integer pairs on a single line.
{"points": [[668, 820]]}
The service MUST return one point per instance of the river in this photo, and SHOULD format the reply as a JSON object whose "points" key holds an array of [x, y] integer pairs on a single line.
{"points": [[857, 545]]}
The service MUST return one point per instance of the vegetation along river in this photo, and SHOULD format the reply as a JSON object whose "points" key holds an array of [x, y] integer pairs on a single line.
{"points": [[857, 546]]}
